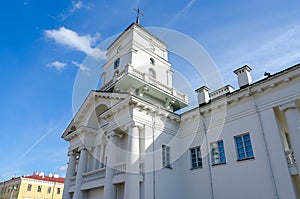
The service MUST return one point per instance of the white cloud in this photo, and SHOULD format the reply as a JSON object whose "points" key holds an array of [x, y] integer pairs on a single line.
{"points": [[277, 52], [182, 12], [80, 66], [76, 6], [72, 40], [58, 65], [63, 168]]}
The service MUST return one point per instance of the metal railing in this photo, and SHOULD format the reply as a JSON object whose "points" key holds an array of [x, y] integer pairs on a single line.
{"points": [[289, 153], [147, 78]]}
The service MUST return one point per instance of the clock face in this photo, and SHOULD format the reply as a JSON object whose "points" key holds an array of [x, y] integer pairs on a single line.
{"points": [[117, 63]]}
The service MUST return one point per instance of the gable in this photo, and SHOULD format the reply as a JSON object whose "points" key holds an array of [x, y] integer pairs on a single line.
{"points": [[95, 104]]}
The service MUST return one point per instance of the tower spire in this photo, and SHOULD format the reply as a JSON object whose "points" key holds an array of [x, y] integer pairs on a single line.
{"points": [[138, 15]]}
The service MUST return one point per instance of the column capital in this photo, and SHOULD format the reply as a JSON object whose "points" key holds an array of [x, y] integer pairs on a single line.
{"points": [[71, 153], [134, 124], [289, 105], [84, 148]]}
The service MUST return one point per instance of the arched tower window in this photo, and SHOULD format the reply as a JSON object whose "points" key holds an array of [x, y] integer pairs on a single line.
{"points": [[152, 61], [152, 73]]}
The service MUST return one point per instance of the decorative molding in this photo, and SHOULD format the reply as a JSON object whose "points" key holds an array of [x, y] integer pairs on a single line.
{"points": [[114, 134], [71, 153], [289, 105]]}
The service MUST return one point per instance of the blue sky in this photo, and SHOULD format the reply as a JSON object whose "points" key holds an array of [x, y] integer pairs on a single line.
{"points": [[44, 43]]}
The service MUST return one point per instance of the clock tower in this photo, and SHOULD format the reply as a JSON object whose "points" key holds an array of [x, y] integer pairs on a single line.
{"points": [[137, 63]]}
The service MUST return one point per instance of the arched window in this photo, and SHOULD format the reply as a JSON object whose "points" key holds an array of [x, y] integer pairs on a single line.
{"points": [[152, 61], [152, 73]]}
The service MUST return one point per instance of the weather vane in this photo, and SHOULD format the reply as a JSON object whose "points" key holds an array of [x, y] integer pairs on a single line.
{"points": [[138, 15]]}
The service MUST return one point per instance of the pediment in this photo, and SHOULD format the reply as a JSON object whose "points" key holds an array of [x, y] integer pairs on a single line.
{"points": [[96, 102]]}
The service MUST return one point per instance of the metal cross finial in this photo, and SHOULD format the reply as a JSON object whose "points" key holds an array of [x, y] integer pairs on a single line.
{"points": [[138, 16]]}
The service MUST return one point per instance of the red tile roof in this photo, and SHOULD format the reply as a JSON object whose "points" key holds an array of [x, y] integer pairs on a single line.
{"points": [[46, 178]]}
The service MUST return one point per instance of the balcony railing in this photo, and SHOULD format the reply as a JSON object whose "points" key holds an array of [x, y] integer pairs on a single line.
{"points": [[94, 175], [120, 168], [145, 77], [291, 160], [72, 180]]}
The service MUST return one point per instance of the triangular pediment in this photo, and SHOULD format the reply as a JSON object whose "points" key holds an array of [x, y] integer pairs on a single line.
{"points": [[96, 103]]}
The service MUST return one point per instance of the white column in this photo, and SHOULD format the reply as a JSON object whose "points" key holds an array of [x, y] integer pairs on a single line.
{"points": [[78, 194], [132, 182], [70, 173], [292, 116], [102, 153], [109, 187]]}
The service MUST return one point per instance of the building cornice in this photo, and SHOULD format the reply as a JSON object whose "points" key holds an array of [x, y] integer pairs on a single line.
{"points": [[256, 89]]}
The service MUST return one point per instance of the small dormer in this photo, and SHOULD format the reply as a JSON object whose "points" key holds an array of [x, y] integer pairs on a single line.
{"points": [[203, 95], [244, 76]]}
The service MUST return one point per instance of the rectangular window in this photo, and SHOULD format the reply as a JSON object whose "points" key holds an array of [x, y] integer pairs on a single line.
{"points": [[39, 189], [49, 190], [218, 153], [166, 156], [58, 191], [196, 159], [29, 187], [243, 147]]}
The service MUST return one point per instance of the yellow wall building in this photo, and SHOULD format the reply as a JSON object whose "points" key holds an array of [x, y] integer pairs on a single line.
{"points": [[37, 186]]}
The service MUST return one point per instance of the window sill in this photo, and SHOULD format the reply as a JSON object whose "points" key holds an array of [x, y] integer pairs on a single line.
{"points": [[240, 160], [195, 168], [218, 164], [168, 167]]}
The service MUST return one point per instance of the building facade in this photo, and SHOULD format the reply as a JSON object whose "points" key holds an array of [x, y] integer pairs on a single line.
{"points": [[128, 140], [37, 186]]}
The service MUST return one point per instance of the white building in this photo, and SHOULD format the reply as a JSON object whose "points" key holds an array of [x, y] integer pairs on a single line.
{"points": [[127, 141]]}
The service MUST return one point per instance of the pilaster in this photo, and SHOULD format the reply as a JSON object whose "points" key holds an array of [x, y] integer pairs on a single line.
{"points": [[109, 187], [292, 115], [132, 182], [82, 165], [70, 173]]}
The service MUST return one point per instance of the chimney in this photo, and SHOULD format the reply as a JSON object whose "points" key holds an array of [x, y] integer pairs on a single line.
{"points": [[203, 96], [244, 77]]}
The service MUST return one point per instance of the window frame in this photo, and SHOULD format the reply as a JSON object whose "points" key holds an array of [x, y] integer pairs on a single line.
{"points": [[39, 188], [152, 61], [29, 187], [219, 152], [198, 158], [49, 190], [152, 73], [244, 150], [166, 156]]}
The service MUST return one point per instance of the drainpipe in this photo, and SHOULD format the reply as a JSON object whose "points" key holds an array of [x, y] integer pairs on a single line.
{"points": [[53, 190], [153, 153], [208, 159], [266, 146]]}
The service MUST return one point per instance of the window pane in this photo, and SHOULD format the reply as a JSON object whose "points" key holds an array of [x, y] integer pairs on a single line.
{"points": [[238, 139], [249, 154], [246, 137], [241, 156]]}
